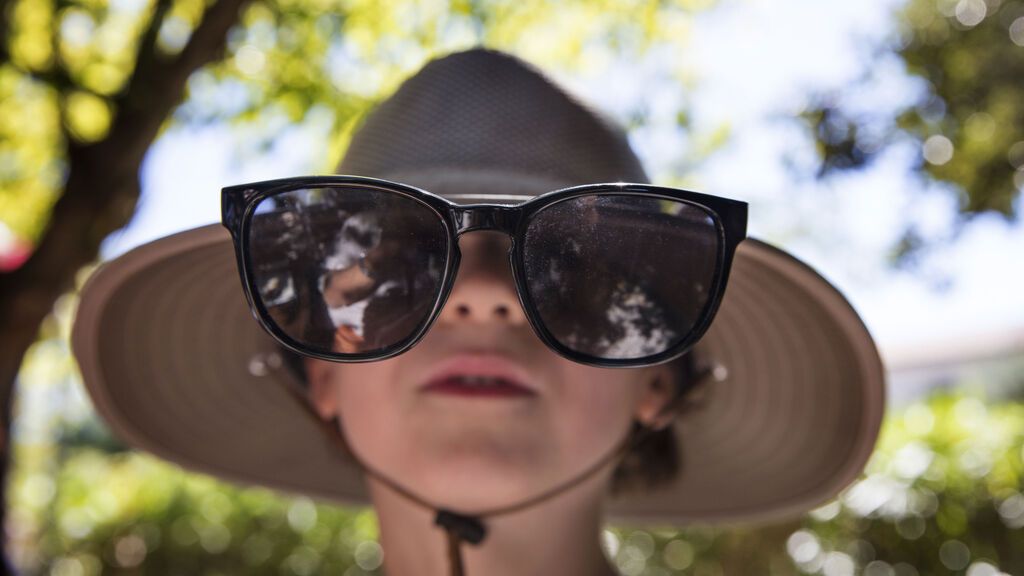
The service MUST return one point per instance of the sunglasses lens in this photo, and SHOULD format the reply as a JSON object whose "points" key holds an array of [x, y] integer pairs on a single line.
{"points": [[621, 277], [349, 270]]}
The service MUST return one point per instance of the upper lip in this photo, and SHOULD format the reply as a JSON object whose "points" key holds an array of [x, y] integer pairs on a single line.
{"points": [[485, 364]]}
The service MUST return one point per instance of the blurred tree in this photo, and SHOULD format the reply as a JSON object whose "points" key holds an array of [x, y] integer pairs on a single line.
{"points": [[87, 85], [84, 89], [942, 494], [967, 121]]}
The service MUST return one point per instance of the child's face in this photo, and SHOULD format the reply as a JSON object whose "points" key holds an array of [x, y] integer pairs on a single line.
{"points": [[472, 451]]}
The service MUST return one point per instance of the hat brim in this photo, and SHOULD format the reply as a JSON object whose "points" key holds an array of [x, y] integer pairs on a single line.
{"points": [[175, 363]]}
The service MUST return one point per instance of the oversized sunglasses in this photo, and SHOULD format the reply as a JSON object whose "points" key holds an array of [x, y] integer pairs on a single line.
{"points": [[351, 268]]}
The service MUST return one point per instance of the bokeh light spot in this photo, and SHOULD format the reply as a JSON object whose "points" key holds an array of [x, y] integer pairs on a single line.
{"points": [[970, 413], [302, 515], [827, 512], [982, 569], [643, 542], [250, 60], [803, 547], [911, 527], [67, 567], [631, 561], [304, 561], [678, 555], [938, 150], [971, 12], [980, 126], [257, 549], [879, 568], [1017, 31], [214, 538], [1011, 511], [368, 555], [88, 116], [838, 564], [912, 460], [919, 419], [954, 554], [904, 569], [611, 542], [130, 551], [1015, 155]]}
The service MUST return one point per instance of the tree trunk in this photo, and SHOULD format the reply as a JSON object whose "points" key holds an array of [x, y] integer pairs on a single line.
{"points": [[100, 194]]}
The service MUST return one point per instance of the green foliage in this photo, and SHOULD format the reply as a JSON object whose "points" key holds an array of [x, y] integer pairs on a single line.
{"points": [[972, 54], [968, 121], [130, 513], [942, 494], [30, 168]]}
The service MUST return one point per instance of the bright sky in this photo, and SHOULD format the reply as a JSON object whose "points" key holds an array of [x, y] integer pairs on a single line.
{"points": [[755, 60]]}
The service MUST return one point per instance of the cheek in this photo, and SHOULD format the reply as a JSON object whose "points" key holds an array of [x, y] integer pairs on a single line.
{"points": [[368, 408], [597, 409]]}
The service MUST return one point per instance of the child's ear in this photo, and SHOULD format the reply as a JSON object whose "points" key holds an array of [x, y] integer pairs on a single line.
{"points": [[659, 390], [322, 392]]}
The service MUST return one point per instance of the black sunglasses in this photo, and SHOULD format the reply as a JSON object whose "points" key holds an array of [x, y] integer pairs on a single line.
{"points": [[350, 268]]}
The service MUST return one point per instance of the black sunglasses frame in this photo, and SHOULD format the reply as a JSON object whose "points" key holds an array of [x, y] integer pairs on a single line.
{"points": [[238, 204]]}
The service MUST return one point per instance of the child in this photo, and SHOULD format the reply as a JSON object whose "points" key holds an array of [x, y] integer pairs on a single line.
{"points": [[480, 363]]}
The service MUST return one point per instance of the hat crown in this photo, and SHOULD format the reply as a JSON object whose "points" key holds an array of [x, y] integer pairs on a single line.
{"points": [[484, 110]]}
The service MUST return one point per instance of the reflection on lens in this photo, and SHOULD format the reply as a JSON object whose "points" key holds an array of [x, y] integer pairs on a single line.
{"points": [[620, 276], [347, 269]]}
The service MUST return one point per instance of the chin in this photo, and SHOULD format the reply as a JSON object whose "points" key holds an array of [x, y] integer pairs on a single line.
{"points": [[471, 487], [467, 478], [468, 468]]}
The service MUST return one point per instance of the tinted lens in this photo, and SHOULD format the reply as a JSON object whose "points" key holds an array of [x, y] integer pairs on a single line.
{"points": [[618, 276], [347, 269]]}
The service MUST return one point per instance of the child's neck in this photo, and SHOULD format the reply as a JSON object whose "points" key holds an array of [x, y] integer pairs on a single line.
{"points": [[558, 536]]}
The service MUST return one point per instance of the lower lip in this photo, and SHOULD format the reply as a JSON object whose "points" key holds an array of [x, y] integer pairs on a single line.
{"points": [[451, 387]]}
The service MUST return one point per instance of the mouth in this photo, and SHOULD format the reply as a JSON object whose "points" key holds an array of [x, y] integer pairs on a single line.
{"points": [[484, 376]]}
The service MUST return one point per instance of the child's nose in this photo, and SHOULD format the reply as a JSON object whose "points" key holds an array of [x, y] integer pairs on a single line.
{"points": [[484, 290]]}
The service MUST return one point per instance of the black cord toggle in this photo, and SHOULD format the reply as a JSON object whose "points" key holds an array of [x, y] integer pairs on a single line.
{"points": [[466, 528]]}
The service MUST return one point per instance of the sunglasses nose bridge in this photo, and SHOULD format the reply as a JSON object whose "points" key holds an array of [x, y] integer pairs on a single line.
{"points": [[486, 217]]}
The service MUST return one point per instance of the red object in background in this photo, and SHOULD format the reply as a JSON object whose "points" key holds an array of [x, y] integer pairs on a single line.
{"points": [[14, 255]]}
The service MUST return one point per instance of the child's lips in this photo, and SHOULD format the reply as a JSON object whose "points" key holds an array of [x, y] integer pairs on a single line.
{"points": [[480, 375], [497, 390]]}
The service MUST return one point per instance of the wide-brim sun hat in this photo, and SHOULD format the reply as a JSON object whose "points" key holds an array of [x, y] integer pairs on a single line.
{"points": [[176, 364]]}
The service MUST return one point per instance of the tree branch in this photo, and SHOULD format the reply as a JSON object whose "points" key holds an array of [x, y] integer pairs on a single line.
{"points": [[100, 193], [146, 51], [156, 88], [57, 75], [5, 29]]}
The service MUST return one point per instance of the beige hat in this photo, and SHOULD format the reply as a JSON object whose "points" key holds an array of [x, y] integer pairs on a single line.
{"points": [[176, 364]]}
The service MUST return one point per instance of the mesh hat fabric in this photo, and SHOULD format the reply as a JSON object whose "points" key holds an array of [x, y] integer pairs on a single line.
{"points": [[175, 363], [486, 113]]}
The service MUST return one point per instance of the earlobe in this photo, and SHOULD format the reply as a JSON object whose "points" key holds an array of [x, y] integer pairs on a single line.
{"points": [[653, 410], [321, 388]]}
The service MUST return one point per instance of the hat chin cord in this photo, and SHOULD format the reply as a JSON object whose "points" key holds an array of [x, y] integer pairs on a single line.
{"points": [[462, 527], [470, 528]]}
